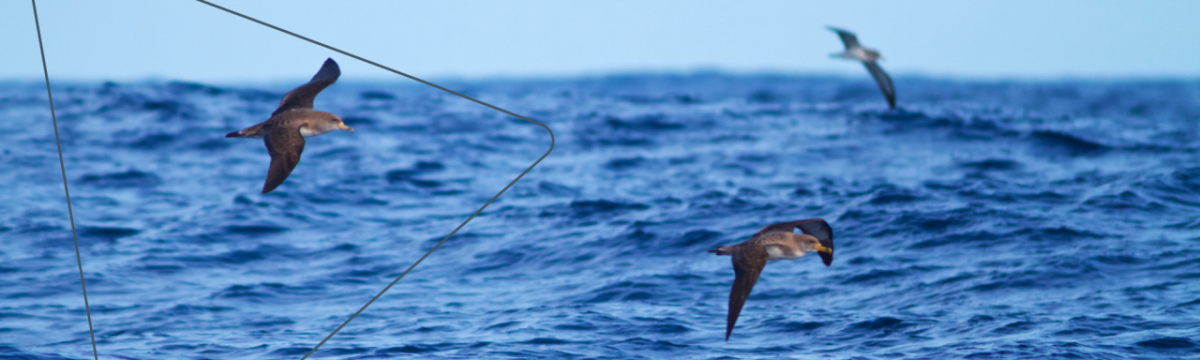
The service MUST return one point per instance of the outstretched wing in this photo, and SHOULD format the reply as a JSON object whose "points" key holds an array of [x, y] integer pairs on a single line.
{"points": [[818, 228], [885, 82], [285, 146], [302, 96], [848, 38], [748, 262]]}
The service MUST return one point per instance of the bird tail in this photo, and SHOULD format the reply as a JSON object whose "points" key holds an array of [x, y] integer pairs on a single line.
{"points": [[256, 131], [720, 251]]}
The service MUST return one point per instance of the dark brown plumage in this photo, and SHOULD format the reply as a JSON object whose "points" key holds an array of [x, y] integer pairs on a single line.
{"points": [[773, 242]]}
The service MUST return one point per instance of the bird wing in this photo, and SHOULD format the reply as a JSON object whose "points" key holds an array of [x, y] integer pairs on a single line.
{"points": [[302, 97], [818, 228], [885, 82], [748, 262], [848, 38], [285, 145]]}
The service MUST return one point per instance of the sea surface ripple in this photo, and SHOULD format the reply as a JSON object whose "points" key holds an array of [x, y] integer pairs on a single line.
{"points": [[982, 220]]}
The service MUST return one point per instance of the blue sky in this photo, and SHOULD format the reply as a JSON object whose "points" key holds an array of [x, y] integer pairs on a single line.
{"points": [[187, 40]]}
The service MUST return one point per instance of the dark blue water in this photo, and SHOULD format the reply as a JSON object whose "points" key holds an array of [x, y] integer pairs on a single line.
{"points": [[983, 220]]}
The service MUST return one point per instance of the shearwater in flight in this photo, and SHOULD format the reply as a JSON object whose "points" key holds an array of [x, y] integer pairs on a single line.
{"points": [[293, 121], [854, 51], [774, 242]]}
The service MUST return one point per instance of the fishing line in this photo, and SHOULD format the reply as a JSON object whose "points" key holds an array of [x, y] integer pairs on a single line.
{"points": [[62, 166], [460, 226]]}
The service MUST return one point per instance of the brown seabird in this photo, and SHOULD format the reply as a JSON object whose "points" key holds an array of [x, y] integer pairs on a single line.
{"points": [[854, 51], [293, 121], [773, 242]]}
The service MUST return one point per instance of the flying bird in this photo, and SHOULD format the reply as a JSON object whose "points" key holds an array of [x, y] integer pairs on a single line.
{"points": [[293, 121], [854, 51], [773, 242]]}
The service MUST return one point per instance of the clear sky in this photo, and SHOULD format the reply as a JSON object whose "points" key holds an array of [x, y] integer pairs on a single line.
{"points": [[187, 40]]}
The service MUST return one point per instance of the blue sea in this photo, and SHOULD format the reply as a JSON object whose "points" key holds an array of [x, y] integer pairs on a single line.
{"points": [[980, 220]]}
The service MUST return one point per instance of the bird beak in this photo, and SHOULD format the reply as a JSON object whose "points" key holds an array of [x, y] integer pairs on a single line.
{"points": [[826, 254], [344, 127]]}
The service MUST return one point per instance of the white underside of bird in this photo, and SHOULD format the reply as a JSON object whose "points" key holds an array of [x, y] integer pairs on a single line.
{"points": [[857, 54], [777, 253]]}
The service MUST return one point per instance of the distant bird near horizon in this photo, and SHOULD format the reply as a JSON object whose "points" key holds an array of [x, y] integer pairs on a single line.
{"points": [[774, 242], [293, 121], [854, 51]]}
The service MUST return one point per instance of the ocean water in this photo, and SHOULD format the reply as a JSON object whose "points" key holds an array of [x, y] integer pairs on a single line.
{"points": [[982, 220]]}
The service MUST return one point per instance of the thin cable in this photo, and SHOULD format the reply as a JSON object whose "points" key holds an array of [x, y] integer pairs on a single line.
{"points": [[389, 69], [460, 226], [62, 166]]}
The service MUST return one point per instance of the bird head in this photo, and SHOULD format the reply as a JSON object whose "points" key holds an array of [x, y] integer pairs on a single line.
{"points": [[337, 121], [875, 54], [810, 244]]}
